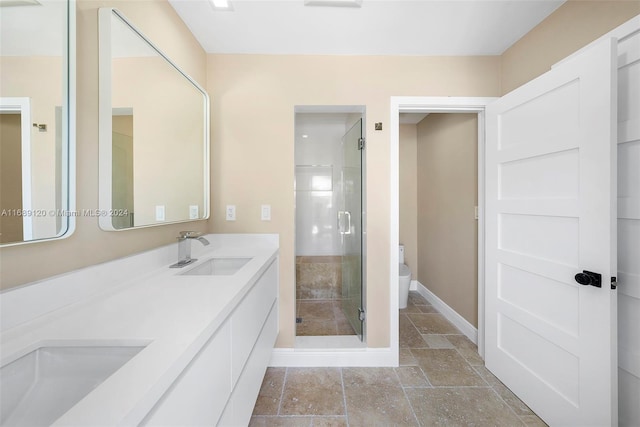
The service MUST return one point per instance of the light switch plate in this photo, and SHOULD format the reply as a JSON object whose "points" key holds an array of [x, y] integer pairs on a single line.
{"points": [[231, 213], [160, 213], [193, 212], [265, 212]]}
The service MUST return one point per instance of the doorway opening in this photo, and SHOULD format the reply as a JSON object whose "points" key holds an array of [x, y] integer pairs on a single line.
{"points": [[428, 105], [438, 188], [329, 245]]}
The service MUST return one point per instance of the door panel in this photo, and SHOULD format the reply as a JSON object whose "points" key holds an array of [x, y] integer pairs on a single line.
{"points": [[350, 224], [629, 227], [550, 215]]}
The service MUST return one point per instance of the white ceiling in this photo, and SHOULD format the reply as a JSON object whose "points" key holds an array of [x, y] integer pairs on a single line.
{"points": [[378, 27]]}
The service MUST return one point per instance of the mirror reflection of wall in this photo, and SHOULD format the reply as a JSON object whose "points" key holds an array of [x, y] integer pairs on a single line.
{"points": [[122, 174], [34, 105], [158, 172]]}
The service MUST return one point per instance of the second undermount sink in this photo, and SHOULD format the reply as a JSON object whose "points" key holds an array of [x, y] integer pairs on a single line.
{"points": [[218, 266], [39, 387]]}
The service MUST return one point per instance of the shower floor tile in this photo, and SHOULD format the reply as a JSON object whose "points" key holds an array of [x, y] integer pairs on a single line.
{"points": [[321, 318]]}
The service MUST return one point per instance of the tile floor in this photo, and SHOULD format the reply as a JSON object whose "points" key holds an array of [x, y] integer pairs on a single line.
{"points": [[441, 381], [322, 317]]}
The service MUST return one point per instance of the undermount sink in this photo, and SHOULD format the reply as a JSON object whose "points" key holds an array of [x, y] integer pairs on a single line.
{"points": [[39, 387], [218, 267]]}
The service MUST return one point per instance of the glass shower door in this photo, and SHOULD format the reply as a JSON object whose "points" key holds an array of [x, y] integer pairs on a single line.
{"points": [[350, 226]]}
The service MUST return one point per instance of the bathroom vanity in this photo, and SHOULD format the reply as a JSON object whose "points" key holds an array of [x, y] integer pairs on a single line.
{"points": [[139, 343]]}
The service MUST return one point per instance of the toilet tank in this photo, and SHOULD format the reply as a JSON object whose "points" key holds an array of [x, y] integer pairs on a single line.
{"points": [[401, 254]]}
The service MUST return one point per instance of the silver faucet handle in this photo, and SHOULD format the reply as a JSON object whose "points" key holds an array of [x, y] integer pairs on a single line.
{"points": [[189, 234]]}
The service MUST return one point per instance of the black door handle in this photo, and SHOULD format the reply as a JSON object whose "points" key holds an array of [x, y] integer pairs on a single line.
{"points": [[589, 278]]}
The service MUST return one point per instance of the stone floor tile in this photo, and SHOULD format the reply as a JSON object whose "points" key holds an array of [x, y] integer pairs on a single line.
{"points": [[312, 391], [270, 392], [533, 421], [344, 328], [416, 299], [412, 376], [427, 309], [432, 323], [271, 421], [406, 357], [410, 308], [409, 335], [329, 422], [437, 341], [458, 406], [311, 327], [316, 310], [445, 367], [375, 397], [518, 406], [466, 348]]}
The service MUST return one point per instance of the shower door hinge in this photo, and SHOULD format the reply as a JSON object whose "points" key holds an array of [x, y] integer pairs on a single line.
{"points": [[361, 314], [360, 143]]}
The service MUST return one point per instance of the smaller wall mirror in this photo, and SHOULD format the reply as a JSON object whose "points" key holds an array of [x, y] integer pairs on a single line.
{"points": [[37, 108], [154, 133]]}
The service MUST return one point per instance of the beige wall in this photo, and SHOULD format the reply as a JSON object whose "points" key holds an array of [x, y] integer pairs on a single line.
{"points": [[408, 193], [447, 196], [253, 99], [90, 245], [572, 26]]}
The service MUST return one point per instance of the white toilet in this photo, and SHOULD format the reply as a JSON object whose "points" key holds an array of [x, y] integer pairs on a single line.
{"points": [[404, 279]]}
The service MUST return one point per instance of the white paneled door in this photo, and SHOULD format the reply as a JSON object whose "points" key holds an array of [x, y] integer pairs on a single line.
{"points": [[550, 215]]}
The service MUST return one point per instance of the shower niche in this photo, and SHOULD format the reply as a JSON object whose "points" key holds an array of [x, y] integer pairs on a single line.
{"points": [[329, 168]]}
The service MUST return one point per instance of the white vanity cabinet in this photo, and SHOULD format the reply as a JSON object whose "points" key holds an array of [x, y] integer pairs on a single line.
{"points": [[221, 384]]}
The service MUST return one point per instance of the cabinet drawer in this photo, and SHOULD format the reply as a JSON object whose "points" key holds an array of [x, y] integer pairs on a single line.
{"points": [[248, 319], [240, 406], [199, 394]]}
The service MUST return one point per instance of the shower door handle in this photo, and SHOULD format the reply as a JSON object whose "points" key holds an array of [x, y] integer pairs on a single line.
{"points": [[341, 216]]}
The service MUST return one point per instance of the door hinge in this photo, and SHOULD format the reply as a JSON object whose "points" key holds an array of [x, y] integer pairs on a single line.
{"points": [[614, 283], [361, 143], [361, 314]]}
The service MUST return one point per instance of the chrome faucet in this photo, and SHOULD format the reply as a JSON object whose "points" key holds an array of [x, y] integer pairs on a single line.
{"points": [[184, 247]]}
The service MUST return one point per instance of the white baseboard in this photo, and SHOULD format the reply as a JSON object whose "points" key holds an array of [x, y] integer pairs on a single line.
{"points": [[450, 314], [338, 351], [413, 286]]}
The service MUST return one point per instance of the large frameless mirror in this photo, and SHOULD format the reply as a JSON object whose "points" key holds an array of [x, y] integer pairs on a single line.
{"points": [[154, 133], [37, 106]]}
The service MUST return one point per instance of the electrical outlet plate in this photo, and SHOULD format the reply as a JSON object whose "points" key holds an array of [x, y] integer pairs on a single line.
{"points": [[193, 212], [160, 213], [231, 213], [265, 212]]}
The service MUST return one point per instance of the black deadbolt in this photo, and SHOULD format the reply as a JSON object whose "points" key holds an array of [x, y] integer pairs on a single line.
{"points": [[589, 278]]}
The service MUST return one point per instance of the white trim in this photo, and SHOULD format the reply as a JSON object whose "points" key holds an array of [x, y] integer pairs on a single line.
{"points": [[417, 104], [449, 313], [22, 106], [69, 156], [333, 357]]}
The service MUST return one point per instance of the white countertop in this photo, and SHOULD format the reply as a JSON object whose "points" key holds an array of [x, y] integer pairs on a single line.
{"points": [[174, 314]]}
